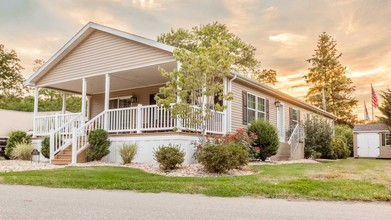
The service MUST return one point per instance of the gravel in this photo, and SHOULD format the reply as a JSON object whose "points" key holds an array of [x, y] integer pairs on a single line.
{"points": [[185, 170]]}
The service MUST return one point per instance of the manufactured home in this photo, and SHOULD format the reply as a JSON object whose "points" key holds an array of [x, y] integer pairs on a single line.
{"points": [[116, 73]]}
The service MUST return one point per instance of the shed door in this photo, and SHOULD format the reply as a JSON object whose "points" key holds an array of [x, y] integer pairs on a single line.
{"points": [[368, 145]]}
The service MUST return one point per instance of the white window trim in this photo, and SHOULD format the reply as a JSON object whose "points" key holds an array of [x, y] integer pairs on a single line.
{"points": [[256, 107], [120, 98]]}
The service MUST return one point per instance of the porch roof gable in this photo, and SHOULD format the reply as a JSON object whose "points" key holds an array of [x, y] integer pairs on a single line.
{"points": [[80, 36]]}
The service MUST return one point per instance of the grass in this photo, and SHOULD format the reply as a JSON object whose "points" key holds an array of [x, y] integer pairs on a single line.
{"points": [[358, 180]]}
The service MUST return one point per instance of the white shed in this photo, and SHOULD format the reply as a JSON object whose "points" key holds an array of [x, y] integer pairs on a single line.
{"points": [[372, 141]]}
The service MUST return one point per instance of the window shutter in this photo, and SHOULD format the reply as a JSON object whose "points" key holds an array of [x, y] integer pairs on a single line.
{"points": [[290, 117], [383, 139], [298, 117], [244, 108], [267, 109]]}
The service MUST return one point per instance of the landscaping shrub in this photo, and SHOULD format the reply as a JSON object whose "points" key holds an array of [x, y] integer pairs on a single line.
{"points": [[45, 147], [346, 133], [318, 135], [169, 156], [127, 152], [14, 138], [218, 158], [267, 142], [339, 148], [22, 151], [99, 144]]}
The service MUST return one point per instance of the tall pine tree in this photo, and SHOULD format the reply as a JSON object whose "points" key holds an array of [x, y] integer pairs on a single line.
{"points": [[327, 74]]}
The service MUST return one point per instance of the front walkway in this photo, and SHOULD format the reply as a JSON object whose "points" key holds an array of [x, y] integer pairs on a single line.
{"points": [[28, 202]]}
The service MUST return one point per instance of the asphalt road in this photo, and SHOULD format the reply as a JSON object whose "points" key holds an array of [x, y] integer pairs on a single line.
{"points": [[28, 202]]}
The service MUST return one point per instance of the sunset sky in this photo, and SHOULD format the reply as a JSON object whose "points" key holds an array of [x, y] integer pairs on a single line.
{"points": [[284, 32]]}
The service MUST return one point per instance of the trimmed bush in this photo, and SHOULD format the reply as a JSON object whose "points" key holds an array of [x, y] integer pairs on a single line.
{"points": [[346, 133], [318, 135], [127, 152], [14, 138], [266, 144], [22, 151], [99, 144], [169, 156], [339, 148], [219, 158], [45, 147]]}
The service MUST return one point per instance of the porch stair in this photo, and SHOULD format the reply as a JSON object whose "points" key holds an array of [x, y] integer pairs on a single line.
{"points": [[64, 157], [283, 153]]}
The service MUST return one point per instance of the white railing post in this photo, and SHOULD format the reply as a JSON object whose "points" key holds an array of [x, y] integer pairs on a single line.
{"points": [[51, 141], [224, 122], [74, 145], [36, 95], [139, 118]]}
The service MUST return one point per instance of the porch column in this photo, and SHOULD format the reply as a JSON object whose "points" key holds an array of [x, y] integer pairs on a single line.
{"points": [[64, 103], [224, 122], [36, 95], [83, 97], [107, 99], [178, 100]]}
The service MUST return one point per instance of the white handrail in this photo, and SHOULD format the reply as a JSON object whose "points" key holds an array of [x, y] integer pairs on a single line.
{"points": [[62, 136], [43, 124]]}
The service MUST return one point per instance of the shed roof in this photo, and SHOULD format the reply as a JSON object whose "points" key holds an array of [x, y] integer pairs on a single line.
{"points": [[370, 127]]}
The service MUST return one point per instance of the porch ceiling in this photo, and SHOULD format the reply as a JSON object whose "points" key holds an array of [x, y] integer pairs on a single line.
{"points": [[134, 78]]}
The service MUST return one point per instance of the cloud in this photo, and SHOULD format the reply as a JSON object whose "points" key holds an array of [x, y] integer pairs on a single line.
{"points": [[288, 38]]}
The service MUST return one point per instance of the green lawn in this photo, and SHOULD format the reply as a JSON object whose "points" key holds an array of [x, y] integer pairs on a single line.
{"points": [[365, 180]]}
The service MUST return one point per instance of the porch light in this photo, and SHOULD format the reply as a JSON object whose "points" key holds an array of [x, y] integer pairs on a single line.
{"points": [[277, 104], [133, 99]]}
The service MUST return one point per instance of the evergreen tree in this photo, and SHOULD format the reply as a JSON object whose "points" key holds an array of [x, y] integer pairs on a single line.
{"points": [[385, 108], [327, 74], [204, 36]]}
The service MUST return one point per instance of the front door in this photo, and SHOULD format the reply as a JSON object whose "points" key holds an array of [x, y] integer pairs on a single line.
{"points": [[280, 123]]}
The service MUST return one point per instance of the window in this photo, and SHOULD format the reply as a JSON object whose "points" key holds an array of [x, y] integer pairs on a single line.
{"points": [[295, 117], [255, 108], [124, 102], [387, 139]]}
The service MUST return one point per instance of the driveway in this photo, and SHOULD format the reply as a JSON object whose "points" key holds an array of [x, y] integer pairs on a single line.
{"points": [[28, 202]]}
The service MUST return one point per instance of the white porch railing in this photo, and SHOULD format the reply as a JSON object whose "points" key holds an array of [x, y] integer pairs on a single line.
{"points": [[295, 139], [43, 124], [62, 136]]}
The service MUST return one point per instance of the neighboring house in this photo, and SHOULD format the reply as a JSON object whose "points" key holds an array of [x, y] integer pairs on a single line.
{"points": [[14, 120], [117, 75], [371, 141]]}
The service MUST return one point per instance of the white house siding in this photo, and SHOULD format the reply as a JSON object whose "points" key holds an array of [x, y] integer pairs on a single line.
{"points": [[142, 94], [236, 116], [15, 120], [146, 144], [103, 53]]}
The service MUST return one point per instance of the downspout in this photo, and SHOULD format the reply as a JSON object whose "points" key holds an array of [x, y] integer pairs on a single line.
{"points": [[229, 107]]}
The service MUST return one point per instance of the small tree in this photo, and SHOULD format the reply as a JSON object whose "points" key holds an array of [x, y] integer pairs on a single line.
{"points": [[45, 147], [318, 136], [385, 108], [267, 141], [99, 144], [194, 88], [346, 133]]}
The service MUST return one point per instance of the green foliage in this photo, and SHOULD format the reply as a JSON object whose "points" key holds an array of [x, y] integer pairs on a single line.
{"points": [[219, 158], [99, 144], [385, 108], [346, 133], [201, 74], [267, 142], [339, 148], [14, 138], [326, 72], [22, 151], [45, 147], [11, 79], [169, 156], [318, 135], [207, 35], [127, 152]]}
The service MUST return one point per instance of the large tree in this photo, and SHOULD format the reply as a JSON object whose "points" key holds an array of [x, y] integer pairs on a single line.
{"points": [[385, 108], [194, 91], [203, 36], [327, 76], [11, 79]]}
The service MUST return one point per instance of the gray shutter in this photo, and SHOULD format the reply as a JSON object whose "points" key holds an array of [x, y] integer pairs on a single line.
{"points": [[298, 117], [244, 108], [267, 109]]}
